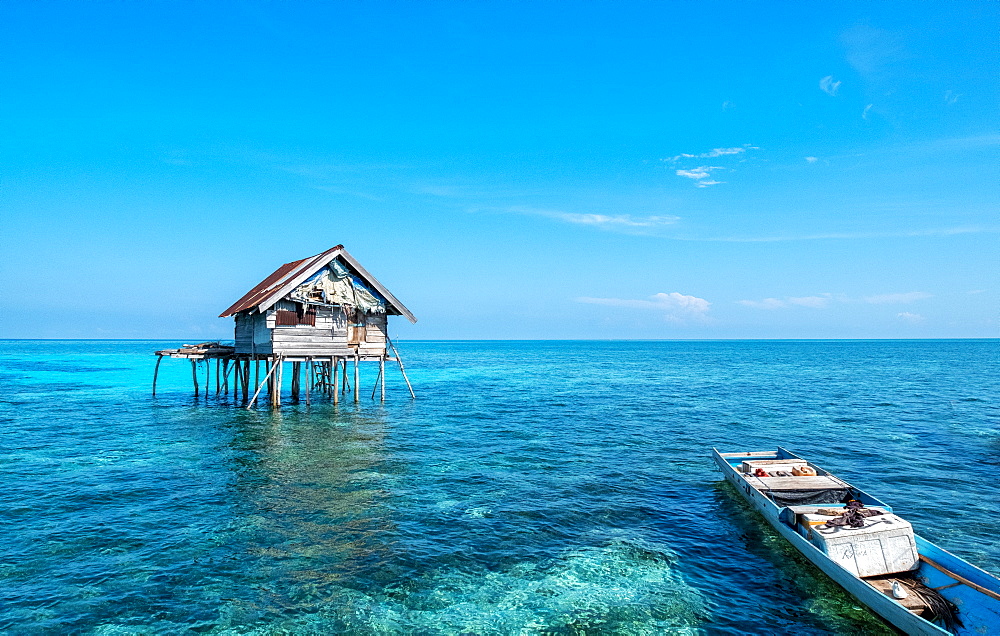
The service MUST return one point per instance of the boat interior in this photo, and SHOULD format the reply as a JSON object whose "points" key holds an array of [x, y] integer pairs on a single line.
{"points": [[882, 552]]}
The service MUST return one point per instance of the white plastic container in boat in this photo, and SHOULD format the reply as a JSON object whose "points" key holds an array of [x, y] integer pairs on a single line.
{"points": [[884, 545]]}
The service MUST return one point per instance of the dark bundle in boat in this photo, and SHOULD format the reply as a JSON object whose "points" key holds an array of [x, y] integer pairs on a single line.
{"points": [[938, 607], [855, 515]]}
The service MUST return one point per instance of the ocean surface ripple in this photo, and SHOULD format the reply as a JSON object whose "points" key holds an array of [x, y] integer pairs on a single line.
{"points": [[531, 488]]}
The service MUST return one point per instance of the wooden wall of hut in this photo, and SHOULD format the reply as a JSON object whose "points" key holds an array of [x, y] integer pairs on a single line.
{"points": [[330, 334]]}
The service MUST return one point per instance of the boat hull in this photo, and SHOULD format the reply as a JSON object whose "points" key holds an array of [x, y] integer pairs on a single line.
{"points": [[887, 608]]}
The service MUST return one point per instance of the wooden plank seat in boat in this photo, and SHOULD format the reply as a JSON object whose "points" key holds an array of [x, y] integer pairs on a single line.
{"points": [[883, 583], [817, 482]]}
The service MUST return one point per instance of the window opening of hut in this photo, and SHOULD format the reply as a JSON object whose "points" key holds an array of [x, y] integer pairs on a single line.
{"points": [[358, 331], [300, 316]]}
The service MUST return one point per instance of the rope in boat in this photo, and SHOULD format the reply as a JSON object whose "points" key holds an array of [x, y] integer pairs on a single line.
{"points": [[938, 607]]}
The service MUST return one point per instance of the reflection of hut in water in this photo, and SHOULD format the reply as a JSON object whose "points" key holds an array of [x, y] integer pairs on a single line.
{"points": [[317, 314]]}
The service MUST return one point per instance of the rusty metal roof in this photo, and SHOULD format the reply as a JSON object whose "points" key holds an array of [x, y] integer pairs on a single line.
{"points": [[290, 275]]}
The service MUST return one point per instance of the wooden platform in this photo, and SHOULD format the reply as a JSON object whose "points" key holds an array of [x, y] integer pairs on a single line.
{"points": [[203, 351]]}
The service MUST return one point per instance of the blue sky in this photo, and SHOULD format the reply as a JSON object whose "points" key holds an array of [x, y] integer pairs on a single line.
{"points": [[508, 170]]}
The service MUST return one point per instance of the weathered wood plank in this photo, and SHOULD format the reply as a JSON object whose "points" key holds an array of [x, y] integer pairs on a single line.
{"points": [[796, 483]]}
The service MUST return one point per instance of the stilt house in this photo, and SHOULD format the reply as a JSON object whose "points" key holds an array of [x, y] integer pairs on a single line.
{"points": [[323, 306]]}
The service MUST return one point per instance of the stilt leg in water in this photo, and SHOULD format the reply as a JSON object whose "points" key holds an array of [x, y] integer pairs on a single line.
{"points": [[259, 387], [375, 388], [334, 368], [246, 380], [401, 369], [156, 372], [277, 385], [357, 392]]}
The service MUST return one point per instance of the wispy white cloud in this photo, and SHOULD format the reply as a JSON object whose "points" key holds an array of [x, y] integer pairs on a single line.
{"points": [[332, 189], [896, 299], [701, 172], [628, 223], [812, 159], [813, 302], [829, 86], [951, 97], [438, 190], [910, 318], [822, 301], [767, 303], [816, 302], [676, 307], [846, 236], [618, 220], [711, 154], [864, 113], [962, 143]]}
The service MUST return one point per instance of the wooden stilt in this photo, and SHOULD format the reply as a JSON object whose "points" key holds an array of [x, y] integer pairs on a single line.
{"points": [[332, 380], [270, 387], [208, 377], [334, 367], [375, 386], [381, 373], [259, 387], [399, 360], [357, 395], [344, 385], [308, 378], [237, 372], [246, 380], [269, 366], [156, 372], [240, 379], [279, 378], [194, 376], [296, 370], [256, 373], [218, 382]]}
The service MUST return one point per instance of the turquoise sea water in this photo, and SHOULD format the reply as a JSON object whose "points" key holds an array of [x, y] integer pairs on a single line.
{"points": [[531, 488]]}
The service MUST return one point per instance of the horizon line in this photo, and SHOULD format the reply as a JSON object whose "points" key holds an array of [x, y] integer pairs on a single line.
{"points": [[860, 339]]}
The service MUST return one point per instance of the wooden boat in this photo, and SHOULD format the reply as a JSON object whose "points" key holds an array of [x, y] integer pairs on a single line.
{"points": [[943, 593]]}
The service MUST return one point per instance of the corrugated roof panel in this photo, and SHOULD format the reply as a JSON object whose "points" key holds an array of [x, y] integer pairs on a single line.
{"points": [[265, 287]]}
